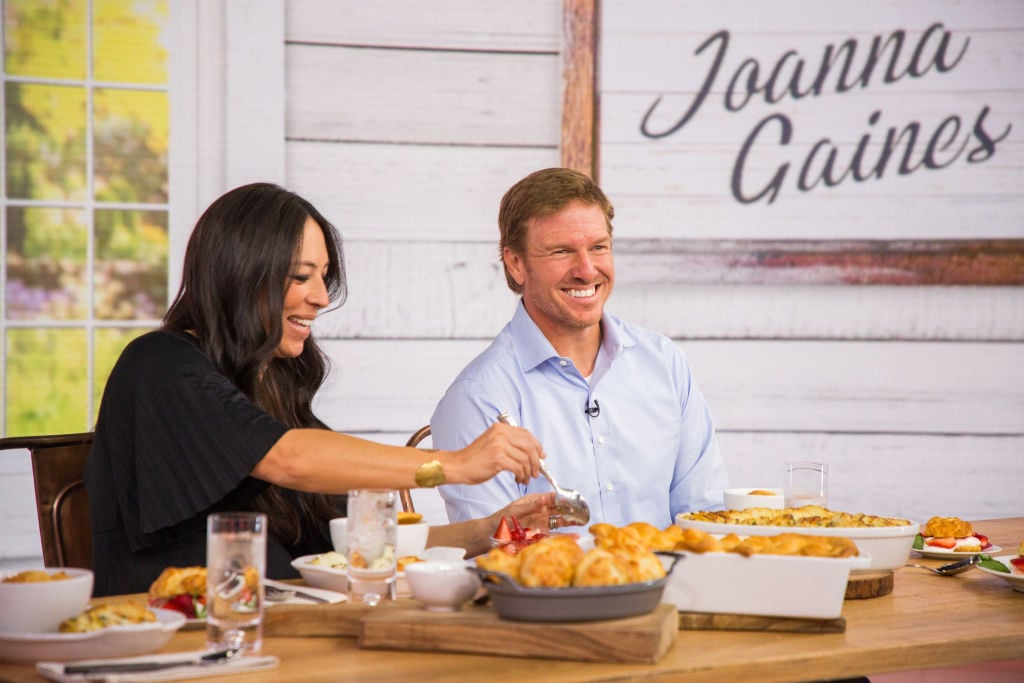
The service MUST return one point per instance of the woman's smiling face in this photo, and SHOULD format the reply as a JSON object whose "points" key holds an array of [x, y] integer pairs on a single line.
{"points": [[306, 291]]}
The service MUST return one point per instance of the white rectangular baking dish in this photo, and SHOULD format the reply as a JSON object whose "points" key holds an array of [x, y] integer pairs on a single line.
{"points": [[763, 585]]}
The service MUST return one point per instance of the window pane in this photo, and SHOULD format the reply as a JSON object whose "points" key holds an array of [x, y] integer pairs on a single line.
{"points": [[46, 260], [45, 38], [47, 384], [131, 145], [45, 126], [131, 264], [108, 343], [130, 41]]}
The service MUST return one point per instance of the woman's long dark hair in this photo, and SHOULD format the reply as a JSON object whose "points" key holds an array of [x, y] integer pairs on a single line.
{"points": [[237, 264]]}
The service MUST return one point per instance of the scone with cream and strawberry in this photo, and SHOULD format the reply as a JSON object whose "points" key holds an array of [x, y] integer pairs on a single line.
{"points": [[953, 534]]}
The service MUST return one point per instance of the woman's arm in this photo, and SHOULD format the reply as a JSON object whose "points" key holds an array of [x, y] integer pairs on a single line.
{"points": [[324, 461], [532, 510]]}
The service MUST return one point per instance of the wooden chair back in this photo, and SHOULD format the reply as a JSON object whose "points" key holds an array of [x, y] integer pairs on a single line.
{"points": [[62, 505], [418, 436]]}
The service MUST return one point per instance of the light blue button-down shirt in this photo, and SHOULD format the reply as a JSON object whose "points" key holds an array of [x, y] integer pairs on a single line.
{"points": [[649, 453]]}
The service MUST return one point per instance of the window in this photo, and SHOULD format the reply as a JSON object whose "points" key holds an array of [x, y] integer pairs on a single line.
{"points": [[84, 225]]}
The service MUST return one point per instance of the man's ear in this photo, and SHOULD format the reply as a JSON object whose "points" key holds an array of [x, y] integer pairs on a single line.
{"points": [[514, 263]]}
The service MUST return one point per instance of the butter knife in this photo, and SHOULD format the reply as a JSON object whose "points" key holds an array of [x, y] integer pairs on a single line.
{"points": [[127, 667]]}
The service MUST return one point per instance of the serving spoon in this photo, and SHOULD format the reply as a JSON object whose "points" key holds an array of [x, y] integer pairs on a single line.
{"points": [[569, 502], [950, 569]]}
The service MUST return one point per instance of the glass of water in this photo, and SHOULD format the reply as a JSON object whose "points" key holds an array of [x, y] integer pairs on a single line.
{"points": [[372, 537], [236, 560], [806, 484]]}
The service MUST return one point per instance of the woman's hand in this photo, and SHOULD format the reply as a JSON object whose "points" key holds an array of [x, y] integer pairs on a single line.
{"points": [[500, 448]]}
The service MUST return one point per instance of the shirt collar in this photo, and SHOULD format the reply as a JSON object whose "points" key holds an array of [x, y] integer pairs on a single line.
{"points": [[533, 348]]}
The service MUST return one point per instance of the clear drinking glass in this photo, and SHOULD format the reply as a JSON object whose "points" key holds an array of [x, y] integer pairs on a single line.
{"points": [[806, 484], [236, 560], [372, 537]]}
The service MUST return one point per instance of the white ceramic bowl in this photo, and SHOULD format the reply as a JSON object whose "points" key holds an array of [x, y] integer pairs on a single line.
{"points": [[442, 586], [444, 553], [412, 538], [319, 576], [888, 546], [40, 606], [740, 499]]}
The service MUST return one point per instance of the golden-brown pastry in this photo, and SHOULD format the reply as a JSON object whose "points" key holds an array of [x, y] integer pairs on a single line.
{"points": [[947, 526], [790, 543], [600, 567], [404, 562], [550, 562], [497, 560], [101, 616], [806, 516], [179, 581], [35, 576]]}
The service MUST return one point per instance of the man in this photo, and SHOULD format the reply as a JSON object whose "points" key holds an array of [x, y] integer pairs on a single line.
{"points": [[615, 407]]}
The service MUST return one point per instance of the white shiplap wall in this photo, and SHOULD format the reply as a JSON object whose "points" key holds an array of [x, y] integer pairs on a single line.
{"points": [[406, 121]]}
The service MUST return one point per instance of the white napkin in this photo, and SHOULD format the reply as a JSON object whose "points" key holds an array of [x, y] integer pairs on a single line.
{"points": [[332, 597], [55, 670]]}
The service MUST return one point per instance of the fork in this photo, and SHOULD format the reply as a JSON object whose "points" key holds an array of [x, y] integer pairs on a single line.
{"points": [[275, 594]]}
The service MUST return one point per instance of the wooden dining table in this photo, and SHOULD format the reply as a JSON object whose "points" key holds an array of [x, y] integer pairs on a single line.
{"points": [[926, 621]]}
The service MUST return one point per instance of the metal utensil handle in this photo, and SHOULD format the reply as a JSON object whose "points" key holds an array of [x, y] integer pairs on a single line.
{"points": [[504, 416]]}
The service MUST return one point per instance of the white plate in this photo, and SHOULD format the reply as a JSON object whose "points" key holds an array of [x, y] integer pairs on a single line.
{"points": [[944, 553], [1016, 580], [336, 580], [112, 641]]}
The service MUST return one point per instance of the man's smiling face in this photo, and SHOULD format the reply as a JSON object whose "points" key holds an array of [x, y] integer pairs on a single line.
{"points": [[566, 271]]}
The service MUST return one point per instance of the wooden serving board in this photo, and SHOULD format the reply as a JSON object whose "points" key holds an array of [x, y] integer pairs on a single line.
{"points": [[478, 630], [869, 585], [699, 621]]}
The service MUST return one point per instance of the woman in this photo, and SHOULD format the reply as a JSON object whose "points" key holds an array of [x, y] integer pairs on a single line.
{"points": [[213, 411]]}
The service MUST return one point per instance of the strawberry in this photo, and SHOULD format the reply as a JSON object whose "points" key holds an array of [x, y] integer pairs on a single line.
{"points": [[1018, 564], [941, 542], [983, 539], [503, 534]]}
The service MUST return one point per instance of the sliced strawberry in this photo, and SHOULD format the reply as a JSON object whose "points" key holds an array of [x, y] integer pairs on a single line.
{"points": [[941, 542], [983, 539], [518, 534], [1018, 565], [503, 534]]}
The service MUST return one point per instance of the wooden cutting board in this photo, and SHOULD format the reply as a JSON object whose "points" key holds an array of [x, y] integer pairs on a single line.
{"points": [[405, 625], [478, 630], [699, 621]]}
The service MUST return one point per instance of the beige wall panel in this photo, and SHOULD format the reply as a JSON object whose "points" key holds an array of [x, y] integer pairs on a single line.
{"points": [[518, 25], [910, 476], [441, 289], [808, 386], [413, 193], [983, 68], [806, 15], [19, 526], [415, 96]]}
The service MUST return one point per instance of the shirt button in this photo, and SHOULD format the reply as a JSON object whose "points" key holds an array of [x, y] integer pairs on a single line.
{"points": [[563, 363], [600, 439], [609, 487]]}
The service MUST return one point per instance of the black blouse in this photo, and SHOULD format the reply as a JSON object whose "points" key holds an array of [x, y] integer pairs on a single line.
{"points": [[175, 441]]}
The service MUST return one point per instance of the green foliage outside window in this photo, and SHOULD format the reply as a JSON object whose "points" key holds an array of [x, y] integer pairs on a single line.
{"points": [[112, 206]]}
